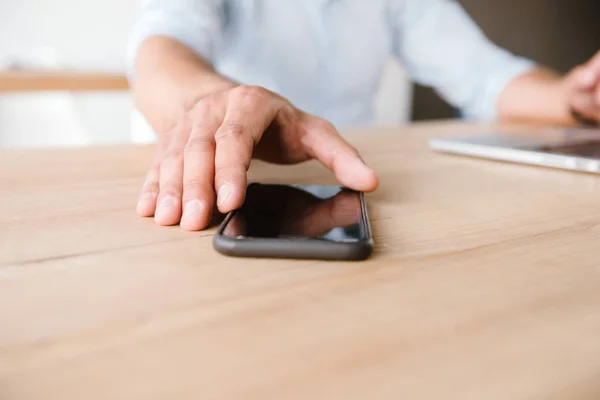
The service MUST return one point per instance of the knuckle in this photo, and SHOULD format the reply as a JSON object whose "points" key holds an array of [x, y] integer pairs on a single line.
{"points": [[194, 185], [250, 91], [166, 138], [258, 91], [171, 187], [231, 130], [231, 170], [173, 155], [204, 107], [244, 90], [183, 127], [323, 125], [153, 172], [198, 144], [150, 185], [154, 169]]}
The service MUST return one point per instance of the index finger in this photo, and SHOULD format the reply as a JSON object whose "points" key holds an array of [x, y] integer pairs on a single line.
{"points": [[250, 111]]}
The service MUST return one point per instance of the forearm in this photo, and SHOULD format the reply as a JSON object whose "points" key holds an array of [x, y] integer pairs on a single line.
{"points": [[169, 79], [539, 95]]}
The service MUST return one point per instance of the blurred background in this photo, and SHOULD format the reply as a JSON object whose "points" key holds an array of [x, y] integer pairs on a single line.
{"points": [[557, 33], [83, 43], [63, 35]]}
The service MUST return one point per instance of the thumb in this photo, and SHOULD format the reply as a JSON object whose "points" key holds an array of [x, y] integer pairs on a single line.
{"points": [[322, 141]]}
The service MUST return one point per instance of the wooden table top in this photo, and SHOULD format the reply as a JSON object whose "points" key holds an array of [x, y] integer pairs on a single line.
{"points": [[33, 81], [485, 284]]}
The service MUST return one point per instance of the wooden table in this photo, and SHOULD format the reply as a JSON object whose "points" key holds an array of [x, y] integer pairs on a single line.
{"points": [[34, 81], [485, 284]]}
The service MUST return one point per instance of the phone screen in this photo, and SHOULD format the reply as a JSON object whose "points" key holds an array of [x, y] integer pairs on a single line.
{"points": [[316, 212]]}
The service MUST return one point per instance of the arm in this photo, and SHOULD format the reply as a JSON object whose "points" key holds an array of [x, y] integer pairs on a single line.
{"points": [[544, 96], [169, 79], [538, 95], [442, 47], [211, 128], [169, 58]]}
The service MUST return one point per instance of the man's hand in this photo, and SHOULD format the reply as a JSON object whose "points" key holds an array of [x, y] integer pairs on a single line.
{"points": [[209, 151], [582, 87], [544, 96]]}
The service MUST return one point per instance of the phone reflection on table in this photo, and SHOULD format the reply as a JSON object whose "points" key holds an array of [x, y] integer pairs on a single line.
{"points": [[281, 211]]}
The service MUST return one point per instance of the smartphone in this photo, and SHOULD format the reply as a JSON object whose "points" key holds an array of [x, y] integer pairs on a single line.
{"points": [[297, 221]]}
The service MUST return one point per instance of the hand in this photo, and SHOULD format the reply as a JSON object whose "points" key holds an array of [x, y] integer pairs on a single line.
{"points": [[210, 149], [582, 86]]}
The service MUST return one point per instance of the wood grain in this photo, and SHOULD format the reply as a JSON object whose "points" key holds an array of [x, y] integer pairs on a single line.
{"points": [[34, 81], [484, 285]]}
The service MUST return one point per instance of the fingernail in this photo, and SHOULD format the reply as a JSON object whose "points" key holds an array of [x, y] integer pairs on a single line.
{"points": [[191, 208], [223, 194], [165, 206]]}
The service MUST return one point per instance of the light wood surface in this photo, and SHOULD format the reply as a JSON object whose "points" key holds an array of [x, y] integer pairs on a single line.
{"points": [[485, 284], [33, 81]]}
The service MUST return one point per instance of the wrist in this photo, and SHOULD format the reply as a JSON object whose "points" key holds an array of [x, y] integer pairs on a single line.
{"points": [[561, 92], [540, 95], [208, 85]]}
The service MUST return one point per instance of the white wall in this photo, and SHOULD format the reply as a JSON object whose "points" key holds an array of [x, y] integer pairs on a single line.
{"points": [[82, 33], [92, 35], [74, 34]]}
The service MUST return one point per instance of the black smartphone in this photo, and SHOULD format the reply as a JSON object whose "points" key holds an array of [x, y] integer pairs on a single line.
{"points": [[298, 221]]}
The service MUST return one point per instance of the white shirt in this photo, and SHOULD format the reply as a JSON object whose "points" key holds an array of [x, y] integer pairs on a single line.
{"points": [[327, 56]]}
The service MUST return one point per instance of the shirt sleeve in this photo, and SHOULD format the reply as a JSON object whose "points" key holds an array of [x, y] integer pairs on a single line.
{"points": [[441, 46], [195, 23]]}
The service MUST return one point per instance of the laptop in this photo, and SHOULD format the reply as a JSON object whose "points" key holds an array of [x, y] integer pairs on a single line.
{"points": [[576, 149]]}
